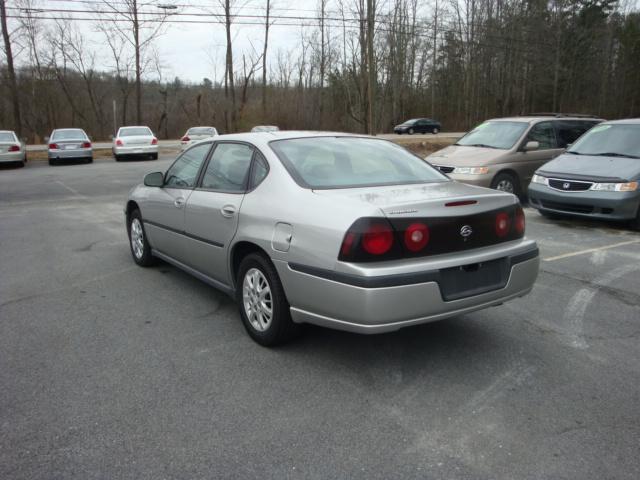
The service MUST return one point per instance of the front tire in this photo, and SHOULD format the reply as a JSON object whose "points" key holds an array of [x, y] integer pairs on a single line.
{"points": [[506, 182], [635, 224], [435, 130], [411, 131], [140, 248], [264, 308]]}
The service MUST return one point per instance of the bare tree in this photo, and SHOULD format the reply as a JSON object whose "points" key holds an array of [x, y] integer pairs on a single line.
{"points": [[139, 28], [11, 73]]}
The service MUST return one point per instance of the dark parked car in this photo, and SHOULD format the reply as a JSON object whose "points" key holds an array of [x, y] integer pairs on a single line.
{"points": [[418, 125], [597, 177]]}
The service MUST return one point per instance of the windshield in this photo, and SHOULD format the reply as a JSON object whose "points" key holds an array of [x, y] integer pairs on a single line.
{"points": [[621, 139], [345, 162], [76, 134], [134, 131], [201, 131], [494, 134], [7, 137]]}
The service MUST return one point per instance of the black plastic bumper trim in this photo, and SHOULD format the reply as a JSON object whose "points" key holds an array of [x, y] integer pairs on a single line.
{"points": [[182, 232]]}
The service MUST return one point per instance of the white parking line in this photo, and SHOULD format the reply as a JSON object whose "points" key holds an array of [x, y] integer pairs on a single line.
{"points": [[590, 250], [75, 192]]}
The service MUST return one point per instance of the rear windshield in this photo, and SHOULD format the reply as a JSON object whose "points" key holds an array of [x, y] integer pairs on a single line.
{"points": [[201, 131], [613, 140], [346, 162], [75, 134], [502, 135], [134, 131], [7, 137]]}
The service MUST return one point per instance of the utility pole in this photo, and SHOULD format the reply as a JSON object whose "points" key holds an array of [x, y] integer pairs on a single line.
{"points": [[371, 67], [13, 84], [115, 122]]}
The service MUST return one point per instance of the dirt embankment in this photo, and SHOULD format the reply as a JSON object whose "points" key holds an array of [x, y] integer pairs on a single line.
{"points": [[424, 147]]}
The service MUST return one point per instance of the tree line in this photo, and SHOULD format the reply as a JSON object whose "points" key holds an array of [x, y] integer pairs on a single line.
{"points": [[359, 65]]}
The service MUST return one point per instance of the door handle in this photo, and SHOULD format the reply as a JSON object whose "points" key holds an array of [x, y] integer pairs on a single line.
{"points": [[178, 202], [228, 211]]}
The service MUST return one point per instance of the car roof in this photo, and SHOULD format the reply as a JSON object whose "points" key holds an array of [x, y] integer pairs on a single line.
{"points": [[7, 131], [624, 121], [263, 138], [538, 118], [201, 126], [67, 129]]}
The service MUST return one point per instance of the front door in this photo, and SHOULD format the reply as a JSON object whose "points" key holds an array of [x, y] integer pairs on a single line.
{"points": [[530, 161], [163, 210], [211, 215]]}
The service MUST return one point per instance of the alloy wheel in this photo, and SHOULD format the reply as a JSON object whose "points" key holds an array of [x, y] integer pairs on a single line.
{"points": [[257, 300], [137, 238]]}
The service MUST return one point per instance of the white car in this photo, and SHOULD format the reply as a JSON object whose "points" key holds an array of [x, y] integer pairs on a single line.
{"points": [[11, 148], [195, 134], [135, 142]]}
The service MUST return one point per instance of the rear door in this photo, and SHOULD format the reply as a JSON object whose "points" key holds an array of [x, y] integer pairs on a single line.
{"points": [[568, 131], [211, 217], [163, 209]]}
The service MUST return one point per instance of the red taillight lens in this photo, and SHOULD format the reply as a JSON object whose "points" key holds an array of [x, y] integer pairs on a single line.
{"points": [[14, 148], [416, 237], [86, 145], [185, 139], [154, 141], [378, 239], [503, 223], [53, 146], [520, 221], [119, 143]]}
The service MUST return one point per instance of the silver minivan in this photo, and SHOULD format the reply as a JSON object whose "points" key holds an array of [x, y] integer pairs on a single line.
{"points": [[503, 153]]}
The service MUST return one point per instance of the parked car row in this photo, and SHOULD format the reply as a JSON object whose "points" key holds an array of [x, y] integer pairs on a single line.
{"points": [[567, 165]]}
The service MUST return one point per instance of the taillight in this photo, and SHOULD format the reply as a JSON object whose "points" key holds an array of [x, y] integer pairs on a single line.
{"points": [[416, 237], [519, 223], [154, 141], [86, 145], [378, 239], [14, 148], [53, 146], [185, 139], [119, 143], [503, 223]]}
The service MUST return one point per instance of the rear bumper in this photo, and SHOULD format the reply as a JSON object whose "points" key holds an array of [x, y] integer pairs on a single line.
{"points": [[136, 150], [367, 304], [588, 204], [12, 157], [75, 153]]}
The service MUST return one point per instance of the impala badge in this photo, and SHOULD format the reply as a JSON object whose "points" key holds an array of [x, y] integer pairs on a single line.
{"points": [[466, 232]]}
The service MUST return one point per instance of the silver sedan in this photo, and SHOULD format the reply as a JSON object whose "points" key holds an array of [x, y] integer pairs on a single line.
{"points": [[69, 144], [344, 231], [12, 150], [135, 142]]}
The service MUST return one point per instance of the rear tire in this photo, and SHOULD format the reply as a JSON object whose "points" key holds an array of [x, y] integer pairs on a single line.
{"points": [[89, 160], [154, 156], [138, 243], [435, 130], [635, 224], [117, 157], [263, 305], [506, 182], [53, 161]]}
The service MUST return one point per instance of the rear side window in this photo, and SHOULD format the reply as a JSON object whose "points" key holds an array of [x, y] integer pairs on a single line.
{"points": [[259, 171], [228, 169], [568, 131], [184, 172], [349, 162], [544, 134]]}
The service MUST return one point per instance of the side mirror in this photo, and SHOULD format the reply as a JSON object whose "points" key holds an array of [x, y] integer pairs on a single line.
{"points": [[110, 137], [46, 139], [155, 179], [531, 146], [569, 145]]}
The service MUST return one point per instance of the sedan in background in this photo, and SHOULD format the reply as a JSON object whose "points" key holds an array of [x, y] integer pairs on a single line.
{"points": [[12, 150], [265, 128], [597, 177], [418, 125], [195, 134], [69, 144], [135, 142], [343, 231]]}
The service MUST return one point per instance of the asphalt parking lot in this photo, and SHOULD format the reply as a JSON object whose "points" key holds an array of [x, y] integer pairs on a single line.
{"points": [[108, 370]]}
